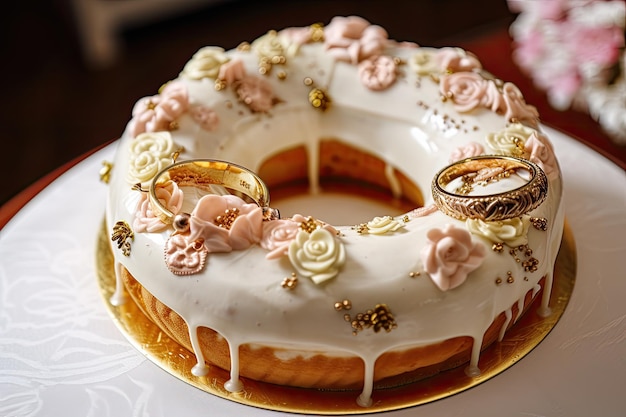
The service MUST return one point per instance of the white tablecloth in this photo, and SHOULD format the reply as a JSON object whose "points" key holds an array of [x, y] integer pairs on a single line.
{"points": [[61, 354]]}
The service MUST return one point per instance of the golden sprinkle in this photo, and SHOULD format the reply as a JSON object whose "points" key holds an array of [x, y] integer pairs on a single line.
{"points": [[122, 234], [243, 47], [282, 75], [291, 282], [308, 81], [539, 223], [498, 281], [406, 219], [309, 224], [197, 244], [226, 220], [220, 85], [319, 99], [105, 171], [317, 32], [173, 125], [362, 228]]}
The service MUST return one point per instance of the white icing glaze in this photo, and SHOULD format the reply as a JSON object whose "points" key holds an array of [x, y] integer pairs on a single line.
{"points": [[239, 294]]}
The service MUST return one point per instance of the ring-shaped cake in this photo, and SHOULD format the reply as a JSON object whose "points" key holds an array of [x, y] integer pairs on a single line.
{"points": [[295, 300]]}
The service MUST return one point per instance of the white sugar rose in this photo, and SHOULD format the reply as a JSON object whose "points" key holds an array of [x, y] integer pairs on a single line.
{"points": [[269, 45], [382, 225], [205, 63], [149, 153], [512, 232], [317, 255], [450, 255], [511, 140], [423, 63]]}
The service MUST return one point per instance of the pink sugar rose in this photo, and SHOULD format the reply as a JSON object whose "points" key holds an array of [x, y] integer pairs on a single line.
{"points": [[244, 229], [256, 93], [466, 151], [516, 107], [206, 117], [377, 73], [540, 151], [184, 256], [232, 71], [353, 39], [469, 90], [277, 235], [156, 113], [456, 60], [169, 195], [450, 255]]}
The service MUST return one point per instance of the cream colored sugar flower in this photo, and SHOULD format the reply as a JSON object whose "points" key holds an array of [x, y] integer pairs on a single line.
{"points": [[269, 45], [512, 232], [423, 62], [382, 225], [511, 140], [150, 153], [205, 63], [317, 255]]}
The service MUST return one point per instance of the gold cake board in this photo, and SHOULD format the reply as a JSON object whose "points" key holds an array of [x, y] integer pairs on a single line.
{"points": [[527, 333]]}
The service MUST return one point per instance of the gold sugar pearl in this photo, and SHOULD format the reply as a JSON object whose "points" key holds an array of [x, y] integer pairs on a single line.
{"points": [[343, 305], [414, 274], [226, 220], [308, 81], [290, 282], [282, 75], [498, 281]]}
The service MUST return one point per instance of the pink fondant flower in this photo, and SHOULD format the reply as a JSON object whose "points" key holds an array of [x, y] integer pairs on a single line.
{"points": [[466, 151], [156, 113], [232, 71], [469, 90], [540, 151], [239, 228], [206, 117], [450, 255], [456, 60], [354, 39], [277, 235], [184, 256], [256, 93], [169, 195], [377, 73], [516, 107]]}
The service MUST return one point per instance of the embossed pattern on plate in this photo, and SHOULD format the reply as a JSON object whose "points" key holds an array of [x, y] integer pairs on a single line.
{"points": [[525, 335]]}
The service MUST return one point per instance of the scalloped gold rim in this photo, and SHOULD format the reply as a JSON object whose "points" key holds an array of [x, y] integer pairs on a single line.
{"points": [[524, 336]]}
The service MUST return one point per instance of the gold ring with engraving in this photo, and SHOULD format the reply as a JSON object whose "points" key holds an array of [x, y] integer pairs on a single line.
{"points": [[204, 173], [465, 189]]}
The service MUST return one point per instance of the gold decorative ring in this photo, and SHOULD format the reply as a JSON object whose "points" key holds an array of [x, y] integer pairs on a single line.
{"points": [[204, 173], [488, 188]]}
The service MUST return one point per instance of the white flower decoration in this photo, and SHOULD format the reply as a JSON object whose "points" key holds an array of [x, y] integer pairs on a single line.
{"points": [[205, 63], [382, 225], [423, 63], [512, 232], [511, 140], [149, 153], [317, 255]]}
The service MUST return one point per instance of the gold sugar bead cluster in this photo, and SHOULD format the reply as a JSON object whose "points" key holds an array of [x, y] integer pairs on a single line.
{"points": [[380, 318], [310, 224], [291, 282], [226, 220]]}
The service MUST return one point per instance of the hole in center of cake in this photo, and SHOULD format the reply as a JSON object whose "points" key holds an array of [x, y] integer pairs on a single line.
{"points": [[349, 185]]}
